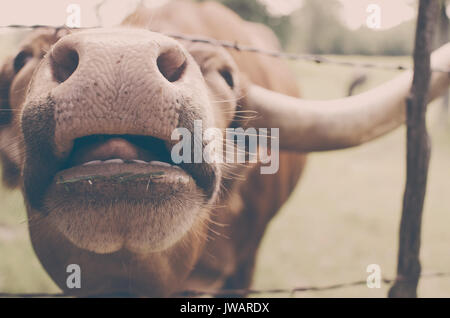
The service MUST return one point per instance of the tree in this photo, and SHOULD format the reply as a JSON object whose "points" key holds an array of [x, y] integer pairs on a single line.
{"points": [[255, 11], [319, 29]]}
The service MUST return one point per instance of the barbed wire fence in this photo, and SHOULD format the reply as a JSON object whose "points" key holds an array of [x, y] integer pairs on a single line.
{"points": [[246, 292], [314, 58]]}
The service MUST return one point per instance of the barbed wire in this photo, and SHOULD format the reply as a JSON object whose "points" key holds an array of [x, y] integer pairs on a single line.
{"points": [[315, 58], [240, 292]]}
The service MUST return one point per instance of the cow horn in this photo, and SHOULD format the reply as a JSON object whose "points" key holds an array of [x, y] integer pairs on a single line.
{"points": [[307, 125]]}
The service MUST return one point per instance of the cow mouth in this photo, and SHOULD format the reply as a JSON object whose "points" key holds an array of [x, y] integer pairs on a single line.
{"points": [[104, 149], [124, 192], [123, 159]]}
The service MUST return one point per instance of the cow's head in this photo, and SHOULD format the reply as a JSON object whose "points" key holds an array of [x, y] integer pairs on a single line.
{"points": [[86, 122], [87, 119]]}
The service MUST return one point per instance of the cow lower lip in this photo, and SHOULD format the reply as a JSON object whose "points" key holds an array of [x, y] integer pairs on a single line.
{"points": [[122, 206], [128, 180]]}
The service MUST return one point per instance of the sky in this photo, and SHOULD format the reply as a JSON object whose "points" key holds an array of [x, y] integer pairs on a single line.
{"points": [[53, 12]]}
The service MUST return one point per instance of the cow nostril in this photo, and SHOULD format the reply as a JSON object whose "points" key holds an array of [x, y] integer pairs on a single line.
{"points": [[64, 63], [172, 64]]}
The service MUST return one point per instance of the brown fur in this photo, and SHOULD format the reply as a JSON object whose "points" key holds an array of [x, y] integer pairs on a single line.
{"points": [[245, 205]]}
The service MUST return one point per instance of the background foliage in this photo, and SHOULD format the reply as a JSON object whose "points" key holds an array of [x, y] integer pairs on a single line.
{"points": [[317, 28]]}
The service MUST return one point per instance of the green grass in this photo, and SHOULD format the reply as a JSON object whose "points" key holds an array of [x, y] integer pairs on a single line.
{"points": [[20, 270], [343, 216], [345, 213]]}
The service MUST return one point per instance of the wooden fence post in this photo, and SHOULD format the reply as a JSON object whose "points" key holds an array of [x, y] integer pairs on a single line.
{"points": [[418, 155]]}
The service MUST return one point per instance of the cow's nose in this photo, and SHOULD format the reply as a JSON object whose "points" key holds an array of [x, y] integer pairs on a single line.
{"points": [[65, 59], [119, 81]]}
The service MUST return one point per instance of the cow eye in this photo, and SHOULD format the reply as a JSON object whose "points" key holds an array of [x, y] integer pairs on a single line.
{"points": [[21, 59], [226, 74]]}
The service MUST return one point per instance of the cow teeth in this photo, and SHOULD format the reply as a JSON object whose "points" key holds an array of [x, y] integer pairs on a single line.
{"points": [[114, 161], [93, 162], [139, 161], [160, 163]]}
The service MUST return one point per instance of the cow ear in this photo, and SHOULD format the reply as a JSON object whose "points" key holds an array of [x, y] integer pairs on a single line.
{"points": [[9, 150]]}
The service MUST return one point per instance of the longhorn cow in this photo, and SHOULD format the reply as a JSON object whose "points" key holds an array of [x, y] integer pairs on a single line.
{"points": [[86, 122]]}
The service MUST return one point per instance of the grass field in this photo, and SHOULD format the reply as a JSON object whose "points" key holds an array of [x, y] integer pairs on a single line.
{"points": [[343, 216]]}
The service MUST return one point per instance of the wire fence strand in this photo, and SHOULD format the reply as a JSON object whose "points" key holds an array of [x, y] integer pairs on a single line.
{"points": [[314, 58], [239, 292]]}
